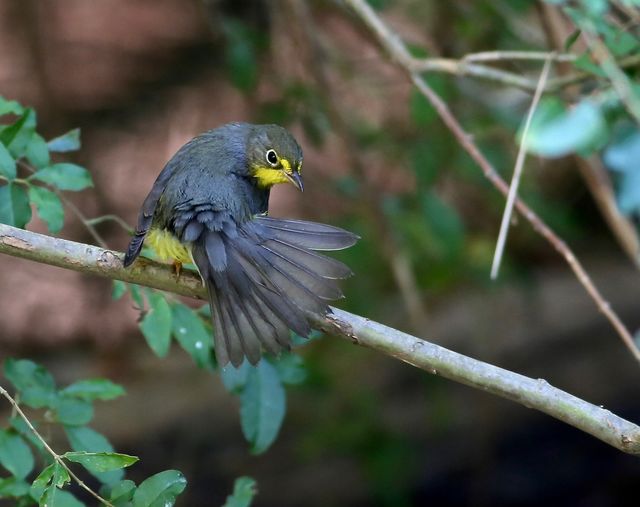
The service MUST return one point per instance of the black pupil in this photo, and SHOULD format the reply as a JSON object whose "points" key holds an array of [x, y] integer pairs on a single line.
{"points": [[272, 157]]}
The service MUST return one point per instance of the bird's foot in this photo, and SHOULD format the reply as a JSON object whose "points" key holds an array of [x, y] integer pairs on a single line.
{"points": [[177, 269]]}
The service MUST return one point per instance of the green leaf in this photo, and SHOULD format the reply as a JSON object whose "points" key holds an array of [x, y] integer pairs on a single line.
{"points": [[14, 205], [244, 489], [122, 492], [83, 438], [422, 111], [7, 163], [572, 131], [118, 290], [189, 330], [65, 176], [66, 142], [156, 324], [290, 368], [136, 295], [571, 40], [234, 379], [49, 207], [72, 411], [94, 389], [55, 497], [16, 136], [15, 454], [97, 462], [18, 424], [37, 151], [10, 107], [160, 490], [262, 406], [622, 157], [35, 384], [586, 64], [12, 487], [42, 481]]}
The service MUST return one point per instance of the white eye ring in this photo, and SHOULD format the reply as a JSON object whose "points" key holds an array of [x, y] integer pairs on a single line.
{"points": [[272, 158]]}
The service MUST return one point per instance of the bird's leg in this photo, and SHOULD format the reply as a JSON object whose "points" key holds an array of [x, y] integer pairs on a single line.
{"points": [[177, 269]]}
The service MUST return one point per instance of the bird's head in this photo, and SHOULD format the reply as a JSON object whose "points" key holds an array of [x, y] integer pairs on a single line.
{"points": [[274, 156]]}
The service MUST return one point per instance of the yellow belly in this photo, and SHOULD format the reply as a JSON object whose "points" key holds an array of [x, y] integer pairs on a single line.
{"points": [[167, 246]]}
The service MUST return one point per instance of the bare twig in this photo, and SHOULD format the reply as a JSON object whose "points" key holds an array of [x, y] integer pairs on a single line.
{"points": [[517, 172], [398, 51], [111, 218], [432, 358], [491, 56], [59, 459]]}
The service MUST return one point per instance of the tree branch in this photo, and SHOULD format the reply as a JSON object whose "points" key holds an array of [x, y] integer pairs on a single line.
{"points": [[537, 394]]}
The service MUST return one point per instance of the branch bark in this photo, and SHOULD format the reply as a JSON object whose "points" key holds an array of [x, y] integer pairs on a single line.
{"points": [[537, 394]]}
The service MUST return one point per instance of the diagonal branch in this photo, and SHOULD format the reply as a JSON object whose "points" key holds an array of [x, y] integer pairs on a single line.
{"points": [[537, 394], [398, 51]]}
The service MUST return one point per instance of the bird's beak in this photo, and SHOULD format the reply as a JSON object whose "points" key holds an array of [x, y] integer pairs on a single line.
{"points": [[296, 180]]}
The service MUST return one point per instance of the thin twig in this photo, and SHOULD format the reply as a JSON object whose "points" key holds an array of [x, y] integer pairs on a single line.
{"points": [[111, 218], [59, 459], [517, 172], [398, 51], [432, 358], [490, 56]]}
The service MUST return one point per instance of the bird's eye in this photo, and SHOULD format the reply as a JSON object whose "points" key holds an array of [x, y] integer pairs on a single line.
{"points": [[272, 158]]}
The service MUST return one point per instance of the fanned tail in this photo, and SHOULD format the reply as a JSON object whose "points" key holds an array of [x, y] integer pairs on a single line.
{"points": [[264, 278]]}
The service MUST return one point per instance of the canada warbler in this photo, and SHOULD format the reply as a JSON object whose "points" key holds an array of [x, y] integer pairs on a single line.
{"points": [[209, 205]]}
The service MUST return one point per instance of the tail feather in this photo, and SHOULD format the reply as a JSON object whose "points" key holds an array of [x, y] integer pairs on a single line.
{"points": [[263, 278], [304, 234]]}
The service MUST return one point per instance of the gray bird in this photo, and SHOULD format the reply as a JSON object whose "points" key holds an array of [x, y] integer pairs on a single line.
{"points": [[264, 278]]}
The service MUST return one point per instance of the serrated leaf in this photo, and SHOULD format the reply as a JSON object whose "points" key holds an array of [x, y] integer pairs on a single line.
{"points": [[156, 324], [72, 411], [37, 151], [66, 142], [14, 205], [65, 176], [83, 438], [262, 406], [99, 462], [290, 368], [244, 489], [94, 389], [34, 382], [572, 131], [12, 487], [118, 290], [7, 163], [49, 207], [189, 330], [15, 454], [160, 490]]}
